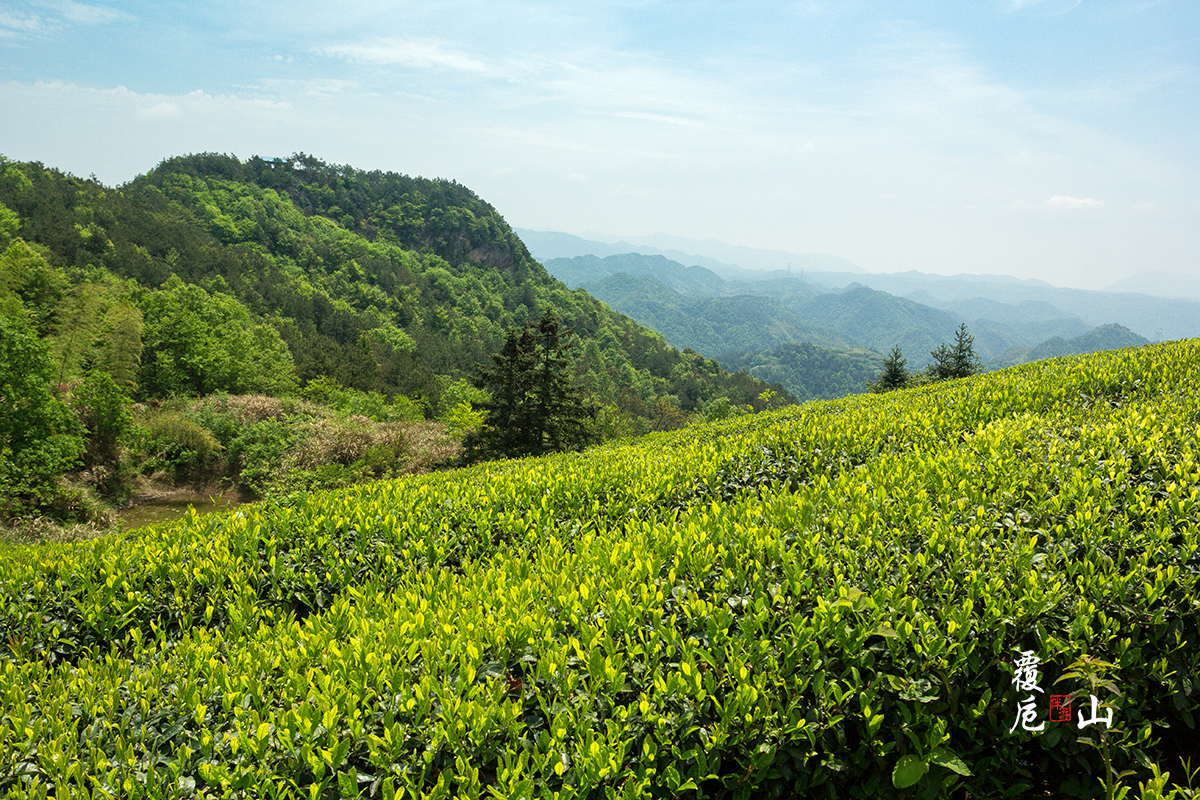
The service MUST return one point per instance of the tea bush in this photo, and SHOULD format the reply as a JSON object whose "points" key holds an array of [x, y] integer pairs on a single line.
{"points": [[829, 600]]}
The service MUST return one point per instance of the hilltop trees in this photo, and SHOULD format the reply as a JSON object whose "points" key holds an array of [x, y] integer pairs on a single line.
{"points": [[535, 407], [895, 373], [959, 361]]}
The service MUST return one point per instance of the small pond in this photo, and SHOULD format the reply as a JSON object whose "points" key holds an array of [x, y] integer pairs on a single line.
{"points": [[174, 506]]}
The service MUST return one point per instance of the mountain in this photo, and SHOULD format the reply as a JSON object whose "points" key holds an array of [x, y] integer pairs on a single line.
{"points": [[710, 325], [732, 262], [1103, 337], [1155, 318], [580, 270], [380, 281], [1159, 284], [694, 307], [1175, 314]]}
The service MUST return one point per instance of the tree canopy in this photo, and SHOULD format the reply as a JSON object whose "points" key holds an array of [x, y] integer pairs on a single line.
{"points": [[534, 407]]}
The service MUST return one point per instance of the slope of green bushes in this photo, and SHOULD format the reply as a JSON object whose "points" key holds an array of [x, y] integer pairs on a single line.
{"points": [[828, 600]]}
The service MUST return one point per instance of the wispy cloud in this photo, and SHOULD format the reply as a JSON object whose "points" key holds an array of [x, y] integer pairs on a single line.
{"points": [[1044, 7], [1063, 202], [17, 23], [85, 14], [44, 18], [668, 119], [414, 53]]}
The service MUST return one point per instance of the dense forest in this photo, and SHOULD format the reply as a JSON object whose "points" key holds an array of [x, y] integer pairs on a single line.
{"points": [[295, 278]]}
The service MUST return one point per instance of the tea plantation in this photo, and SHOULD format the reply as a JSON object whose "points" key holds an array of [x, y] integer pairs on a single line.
{"points": [[841, 599]]}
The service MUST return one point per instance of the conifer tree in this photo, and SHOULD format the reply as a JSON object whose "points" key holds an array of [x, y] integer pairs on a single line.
{"points": [[966, 362], [959, 361], [535, 407], [895, 373]]}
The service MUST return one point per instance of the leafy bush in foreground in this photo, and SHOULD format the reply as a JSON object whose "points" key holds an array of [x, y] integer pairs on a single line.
{"points": [[825, 601]]}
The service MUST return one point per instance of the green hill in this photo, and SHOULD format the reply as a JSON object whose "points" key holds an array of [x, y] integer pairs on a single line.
{"points": [[809, 371], [381, 281], [844, 598], [710, 325], [1104, 337]]}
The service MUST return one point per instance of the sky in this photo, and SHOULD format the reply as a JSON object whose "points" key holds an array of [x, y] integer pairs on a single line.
{"points": [[1050, 139]]}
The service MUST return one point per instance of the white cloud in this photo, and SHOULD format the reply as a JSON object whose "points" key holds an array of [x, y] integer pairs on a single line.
{"points": [[15, 23], [665, 118], [163, 110], [83, 14], [416, 53], [1062, 201], [1044, 7]]}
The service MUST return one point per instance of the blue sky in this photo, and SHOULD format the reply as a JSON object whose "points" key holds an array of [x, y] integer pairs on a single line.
{"points": [[1054, 139]]}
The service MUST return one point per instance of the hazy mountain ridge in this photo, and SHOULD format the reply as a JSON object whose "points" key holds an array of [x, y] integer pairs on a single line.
{"points": [[710, 325], [755, 324], [1009, 298]]}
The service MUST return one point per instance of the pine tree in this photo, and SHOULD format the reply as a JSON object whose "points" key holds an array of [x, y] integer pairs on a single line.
{"points": [[966, 362], [895, 373], [959, 361], [535, 407]]}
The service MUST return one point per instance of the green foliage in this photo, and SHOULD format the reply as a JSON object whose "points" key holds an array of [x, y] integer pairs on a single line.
{"points": [[184, 449], [122, 358], [895, 373], [534, 406], [9, 223], [39, 437], [810, 372], [197, 343], [103, 409], [382, 282], [372, 405], [826, 600], [259, 452], [959, 361]]}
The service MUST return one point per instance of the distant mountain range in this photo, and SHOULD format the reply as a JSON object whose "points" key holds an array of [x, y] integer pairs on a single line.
{"points": [[754, 320], [1010, 307]]}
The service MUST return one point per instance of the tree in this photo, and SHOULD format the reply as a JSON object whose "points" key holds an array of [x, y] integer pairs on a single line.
{"points": [[959, 361], [535, 407], [39, 436], [895, 373], [966, 362]]}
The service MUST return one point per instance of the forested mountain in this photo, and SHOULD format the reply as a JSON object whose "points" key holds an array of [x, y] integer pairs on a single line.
{"points": [[1104, 337], [264, 274], [809, 371], [1060, 311], [713, 326]]}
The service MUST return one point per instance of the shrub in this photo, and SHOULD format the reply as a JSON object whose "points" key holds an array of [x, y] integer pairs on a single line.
{"points": [[182, 448]]}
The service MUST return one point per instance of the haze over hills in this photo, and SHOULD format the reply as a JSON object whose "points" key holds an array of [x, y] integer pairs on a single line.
{"points": [[759, 325], [732, 262], [994, 301], [1159, 284]]}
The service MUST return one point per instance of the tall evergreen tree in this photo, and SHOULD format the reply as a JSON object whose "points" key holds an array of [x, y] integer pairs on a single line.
{"points": [[959, 361], [895, 373], [535, 406], [966, 362]]}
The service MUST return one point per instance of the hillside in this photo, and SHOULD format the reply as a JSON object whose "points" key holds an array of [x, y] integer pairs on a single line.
{"points": [[380, 281], [837, 599], [1103, 337], [809, 371], [1127, 303], [710, 325]]}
